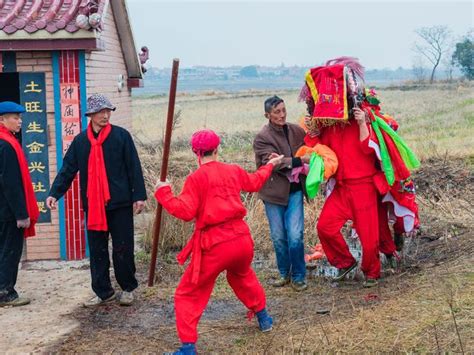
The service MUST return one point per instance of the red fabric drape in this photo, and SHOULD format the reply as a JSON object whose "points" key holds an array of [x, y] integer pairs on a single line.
{"points": [[328, 90]]}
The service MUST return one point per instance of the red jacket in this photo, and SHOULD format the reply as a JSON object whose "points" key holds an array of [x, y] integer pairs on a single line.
{"points": [[356, 159], [211, 197]]}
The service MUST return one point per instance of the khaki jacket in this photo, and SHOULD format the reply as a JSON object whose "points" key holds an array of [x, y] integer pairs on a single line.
{"points": [[272, 139]]}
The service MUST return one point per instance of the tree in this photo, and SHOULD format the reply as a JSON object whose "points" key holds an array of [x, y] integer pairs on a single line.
{"points": [[463, 56], [436, 43]]}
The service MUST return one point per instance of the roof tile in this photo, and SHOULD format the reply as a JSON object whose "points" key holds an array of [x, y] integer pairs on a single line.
{"points": [[45, 15]]}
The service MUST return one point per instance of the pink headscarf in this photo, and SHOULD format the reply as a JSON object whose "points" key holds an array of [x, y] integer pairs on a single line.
{"points": [[203, 141]]}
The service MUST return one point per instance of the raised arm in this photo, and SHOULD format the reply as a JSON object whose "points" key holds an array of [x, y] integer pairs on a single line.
{"points": [[185, 205], [253, 182]]}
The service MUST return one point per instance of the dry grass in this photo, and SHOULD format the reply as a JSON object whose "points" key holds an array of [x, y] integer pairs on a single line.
{"points": [[224, 113], [433, 119]]}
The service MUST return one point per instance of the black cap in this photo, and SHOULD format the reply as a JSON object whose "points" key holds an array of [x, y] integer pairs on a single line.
{"points": [[271, 102]]}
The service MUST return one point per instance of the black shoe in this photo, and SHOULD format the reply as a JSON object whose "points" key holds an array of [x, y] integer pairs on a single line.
{"points": [[343, 272]]}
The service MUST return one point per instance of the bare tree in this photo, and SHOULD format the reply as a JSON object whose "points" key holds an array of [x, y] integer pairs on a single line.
{"points": [[436, 43]]}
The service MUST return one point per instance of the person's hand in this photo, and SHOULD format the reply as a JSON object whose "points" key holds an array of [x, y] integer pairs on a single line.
{"points": [[159, 184], [306, 158], [275, 159], [360, 116], [138, 206], [23, 223], [51, 202]]}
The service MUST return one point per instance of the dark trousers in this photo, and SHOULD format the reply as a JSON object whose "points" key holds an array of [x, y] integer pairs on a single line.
{"points": [[11, 247], [120, 223]]}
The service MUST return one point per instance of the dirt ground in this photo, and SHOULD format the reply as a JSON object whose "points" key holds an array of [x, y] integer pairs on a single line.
{"points": [[426, 306], [56, 290]]}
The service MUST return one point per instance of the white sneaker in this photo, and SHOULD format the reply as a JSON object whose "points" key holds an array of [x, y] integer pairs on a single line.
{"points": [[19, 301], [97, 301], [126, 298]]}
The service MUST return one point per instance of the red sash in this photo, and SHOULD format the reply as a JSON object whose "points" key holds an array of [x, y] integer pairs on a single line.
{"points": [[98, 194], [31, 204]]}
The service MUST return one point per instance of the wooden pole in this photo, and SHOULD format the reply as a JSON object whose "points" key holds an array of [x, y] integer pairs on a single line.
{"points": [[164, 169]]}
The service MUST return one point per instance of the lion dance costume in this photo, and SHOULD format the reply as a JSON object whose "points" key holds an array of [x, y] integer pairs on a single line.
{"points": [[373, 175]]}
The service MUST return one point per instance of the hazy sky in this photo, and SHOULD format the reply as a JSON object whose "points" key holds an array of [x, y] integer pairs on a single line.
{"points": [[223, 33]]}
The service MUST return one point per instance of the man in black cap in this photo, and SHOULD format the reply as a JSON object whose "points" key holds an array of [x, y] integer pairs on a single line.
{"points": [[18, 206], [283, 200], [112, 188]]}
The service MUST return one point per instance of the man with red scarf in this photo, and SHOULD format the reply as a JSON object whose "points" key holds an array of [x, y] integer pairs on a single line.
{"points": [[18, 207], [221, 240], [112, 188]]}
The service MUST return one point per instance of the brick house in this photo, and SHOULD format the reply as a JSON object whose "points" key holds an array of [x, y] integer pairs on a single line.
{"points": [[53, 54]]}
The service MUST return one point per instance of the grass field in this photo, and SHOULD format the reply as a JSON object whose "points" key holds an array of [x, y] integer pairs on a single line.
{"points": [[433, 120]]}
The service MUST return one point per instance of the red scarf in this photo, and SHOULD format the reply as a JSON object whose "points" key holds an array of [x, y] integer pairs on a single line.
{"points": [[98, 194], [31, 204]]}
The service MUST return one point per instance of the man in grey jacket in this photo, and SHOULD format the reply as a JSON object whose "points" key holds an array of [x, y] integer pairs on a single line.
{"points": [[283, 199]]}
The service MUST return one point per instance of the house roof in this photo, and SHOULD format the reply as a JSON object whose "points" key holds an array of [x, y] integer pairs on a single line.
{"points": [[44, 15], [52, 25]]}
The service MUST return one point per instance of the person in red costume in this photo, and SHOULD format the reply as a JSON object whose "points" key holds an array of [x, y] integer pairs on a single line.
{"points": [[221, 240], [354, 195], [354, 198]]}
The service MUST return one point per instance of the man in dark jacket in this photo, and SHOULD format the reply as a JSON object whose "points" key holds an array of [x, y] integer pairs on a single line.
{"points": [[112, 188], [18, 207], [283, 200]]}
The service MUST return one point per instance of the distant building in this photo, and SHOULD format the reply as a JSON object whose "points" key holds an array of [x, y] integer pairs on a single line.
{"points": [[53, 54]]}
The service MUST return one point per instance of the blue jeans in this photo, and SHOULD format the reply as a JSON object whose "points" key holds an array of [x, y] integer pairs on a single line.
{"points": [[286, 231]]}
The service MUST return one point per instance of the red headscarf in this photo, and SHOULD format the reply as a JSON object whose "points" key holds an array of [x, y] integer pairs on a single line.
{"points": [[204, 141], [31, 204], [98, 194]]}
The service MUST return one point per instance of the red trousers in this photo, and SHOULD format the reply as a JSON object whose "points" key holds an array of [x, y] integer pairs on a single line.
{"points": [[234, 257], [387, 245], [357, 201]]}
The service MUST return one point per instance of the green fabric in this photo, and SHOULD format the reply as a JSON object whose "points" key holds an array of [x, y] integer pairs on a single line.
{"points": [[409, 158], [315, 175], [385, 157]]}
